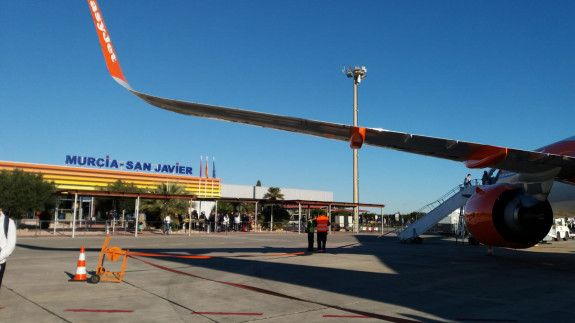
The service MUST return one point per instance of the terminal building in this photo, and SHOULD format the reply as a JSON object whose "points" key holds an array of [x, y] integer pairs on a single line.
{"points": [[82, 179], [87, 183]]}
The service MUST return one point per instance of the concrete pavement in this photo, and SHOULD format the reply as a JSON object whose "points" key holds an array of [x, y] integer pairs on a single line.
{"points": [[252, 277]]}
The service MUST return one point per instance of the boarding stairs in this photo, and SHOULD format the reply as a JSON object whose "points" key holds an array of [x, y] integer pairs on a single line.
{"points": [[438, 210]]}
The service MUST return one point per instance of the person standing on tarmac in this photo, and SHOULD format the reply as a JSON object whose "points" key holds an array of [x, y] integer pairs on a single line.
{"points": [[310, 229], [7, 241], [167, 224], [322, 228]]}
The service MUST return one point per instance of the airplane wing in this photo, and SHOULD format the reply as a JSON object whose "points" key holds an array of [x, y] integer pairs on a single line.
{"points": [[473, 155]]}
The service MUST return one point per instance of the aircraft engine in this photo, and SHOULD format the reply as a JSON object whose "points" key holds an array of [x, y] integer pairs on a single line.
{"points": [[504, 216]]}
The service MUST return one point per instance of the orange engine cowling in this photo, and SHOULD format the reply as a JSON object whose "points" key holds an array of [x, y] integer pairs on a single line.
{"points": [[504, 216]]}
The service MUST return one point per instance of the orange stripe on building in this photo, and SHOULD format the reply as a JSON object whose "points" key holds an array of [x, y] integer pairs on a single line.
{"points": [[77, 178]]}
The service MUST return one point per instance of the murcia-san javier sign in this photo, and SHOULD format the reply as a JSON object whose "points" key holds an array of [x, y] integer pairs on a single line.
{"points": [[107, 162]]}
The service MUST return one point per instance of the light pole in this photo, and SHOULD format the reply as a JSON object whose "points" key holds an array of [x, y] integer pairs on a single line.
{"points": [[356, 73]]}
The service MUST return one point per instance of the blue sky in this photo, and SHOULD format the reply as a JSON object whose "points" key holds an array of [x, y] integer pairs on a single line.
{"points": [[494, 72]]}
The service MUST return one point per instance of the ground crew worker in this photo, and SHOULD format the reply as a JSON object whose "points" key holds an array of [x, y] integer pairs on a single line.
{"points": [[322, 227], [310, 229]]}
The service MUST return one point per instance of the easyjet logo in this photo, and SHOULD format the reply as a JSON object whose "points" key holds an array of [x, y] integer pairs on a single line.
{"points": [[102, 28]]}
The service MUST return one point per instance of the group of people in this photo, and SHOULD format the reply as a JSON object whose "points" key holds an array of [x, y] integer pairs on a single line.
{"points": [[486, 179], [222, 223], [320, 225], [235, 222], [202, 222]]}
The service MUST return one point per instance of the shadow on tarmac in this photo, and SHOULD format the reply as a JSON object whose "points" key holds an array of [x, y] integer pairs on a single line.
{"points": [[451, 281]]}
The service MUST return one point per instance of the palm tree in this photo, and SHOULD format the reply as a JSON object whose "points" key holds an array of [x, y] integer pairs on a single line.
{"points": [[169, 206], [170, 189], [273, 194], [120, 186], [118, 203]]}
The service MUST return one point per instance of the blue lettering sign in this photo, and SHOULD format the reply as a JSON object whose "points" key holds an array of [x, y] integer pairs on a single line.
{"points": [[108, 162], [71, 160]]}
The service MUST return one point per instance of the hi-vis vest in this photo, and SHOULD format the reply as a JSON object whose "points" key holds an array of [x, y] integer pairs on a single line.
{"points": [[310, 226], [322, 223]]}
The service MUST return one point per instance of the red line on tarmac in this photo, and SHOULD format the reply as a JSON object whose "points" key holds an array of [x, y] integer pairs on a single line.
{"points": [[228, 313], [147, 254], [269, 292], [86, 310], [347, 316], [287, 254]]}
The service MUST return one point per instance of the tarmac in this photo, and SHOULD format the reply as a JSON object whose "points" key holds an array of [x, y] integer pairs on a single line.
{"points": [[268, 277]]}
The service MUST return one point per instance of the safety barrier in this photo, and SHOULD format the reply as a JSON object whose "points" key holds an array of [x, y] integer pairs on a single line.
{"points": [[82, 227], [35, 227]]}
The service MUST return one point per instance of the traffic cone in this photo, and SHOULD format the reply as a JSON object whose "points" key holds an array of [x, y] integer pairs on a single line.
{"points": [[80, 268]]}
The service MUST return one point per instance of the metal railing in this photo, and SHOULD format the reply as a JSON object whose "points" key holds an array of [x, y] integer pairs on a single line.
{"points": [[126, 227], [430, 206]]}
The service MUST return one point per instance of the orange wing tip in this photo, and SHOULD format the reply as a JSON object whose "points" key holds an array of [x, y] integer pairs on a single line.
{"points": [[356, 137], [108, 50], [486, 156]]}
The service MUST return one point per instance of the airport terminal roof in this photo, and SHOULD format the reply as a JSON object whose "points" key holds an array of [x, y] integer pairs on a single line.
{"points": [[292, 203]]}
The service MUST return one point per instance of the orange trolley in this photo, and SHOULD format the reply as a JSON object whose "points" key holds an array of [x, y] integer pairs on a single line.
{"points": [[112, 255]]}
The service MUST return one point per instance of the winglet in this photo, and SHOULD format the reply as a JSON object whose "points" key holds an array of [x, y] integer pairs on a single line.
{"points": [[108, 50]]}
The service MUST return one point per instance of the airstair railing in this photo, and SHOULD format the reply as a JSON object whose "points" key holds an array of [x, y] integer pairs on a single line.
{"points": [[421, 212]]}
